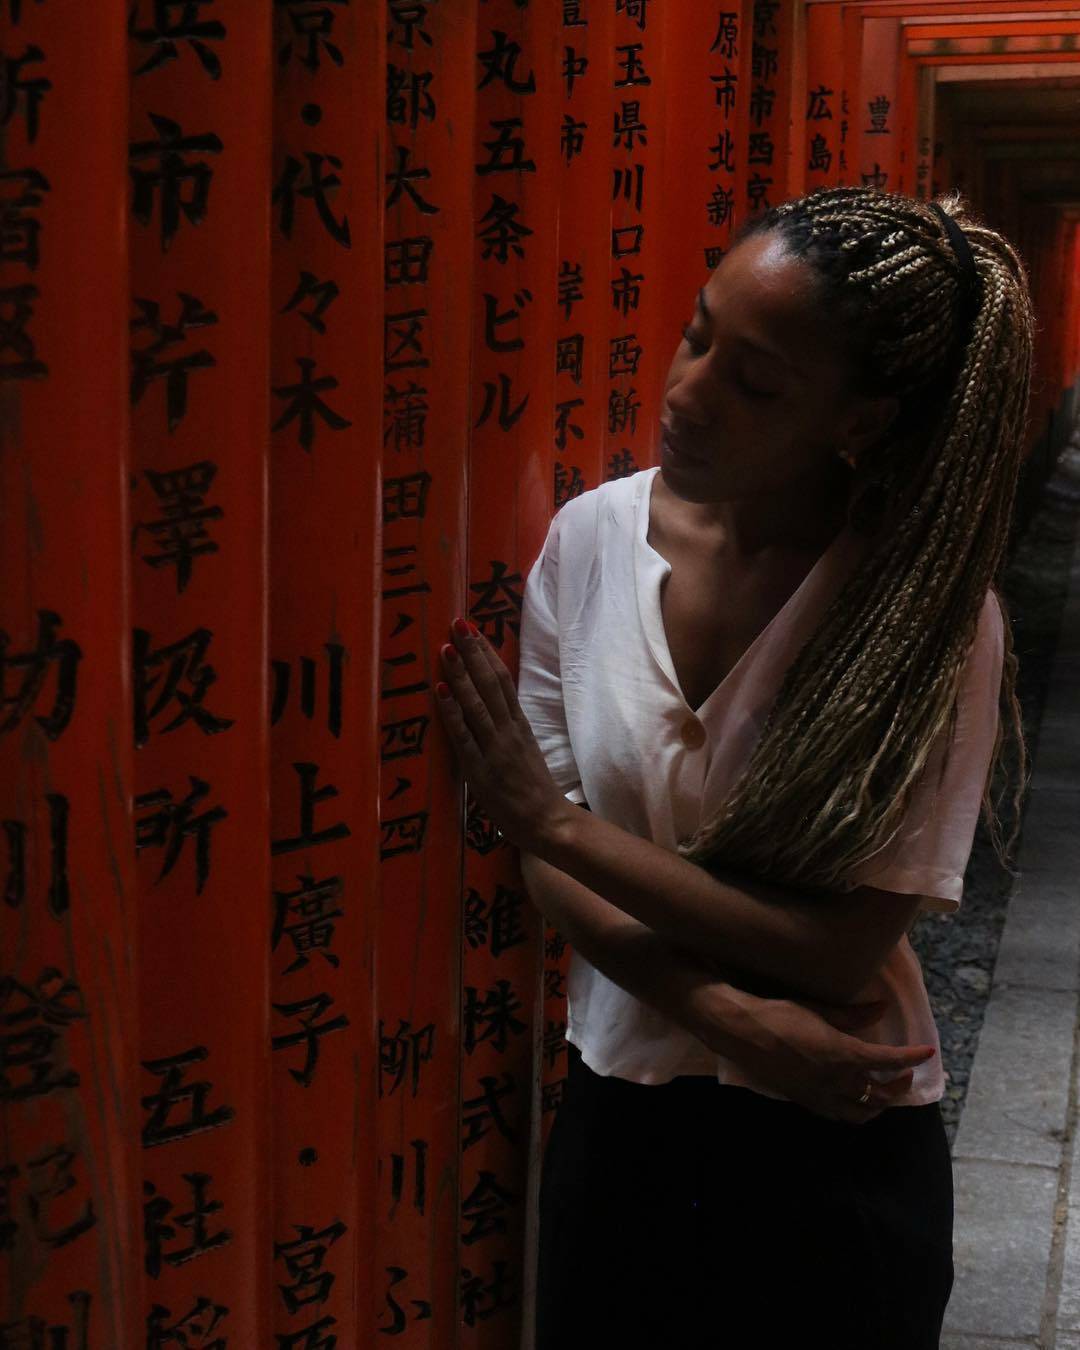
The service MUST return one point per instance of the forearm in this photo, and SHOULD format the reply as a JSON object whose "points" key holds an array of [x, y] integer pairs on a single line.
{"points": [[657, 970], [797, 943]]}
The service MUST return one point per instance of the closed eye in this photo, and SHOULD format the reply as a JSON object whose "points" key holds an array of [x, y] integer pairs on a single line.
{"points": [[699, 348]]}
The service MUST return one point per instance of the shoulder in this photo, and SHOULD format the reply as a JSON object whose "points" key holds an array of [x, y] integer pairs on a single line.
{"points": [[611, 503]]}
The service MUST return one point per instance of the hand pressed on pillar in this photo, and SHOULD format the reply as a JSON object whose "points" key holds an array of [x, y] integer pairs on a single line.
{"points": [[494, 742]]}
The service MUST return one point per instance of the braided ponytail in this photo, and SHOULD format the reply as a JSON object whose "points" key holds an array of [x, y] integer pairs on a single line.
{"points": [[852, 726]]}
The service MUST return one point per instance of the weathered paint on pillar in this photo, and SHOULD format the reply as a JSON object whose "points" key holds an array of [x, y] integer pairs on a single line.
{"points": [[427, 407], [516, 363], [821, 114], [70, 1256], [875, 112], [431, 369], [769, 113], [926, 107], [331, 92], [640, 219], [200, 270], [586, 309]]}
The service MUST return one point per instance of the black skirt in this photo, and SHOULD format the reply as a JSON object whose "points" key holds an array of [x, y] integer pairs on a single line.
{"points": [[693, 1214]]}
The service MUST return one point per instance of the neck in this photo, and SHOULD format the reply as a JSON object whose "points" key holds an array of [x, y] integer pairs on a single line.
{"points": [[806, 518]]}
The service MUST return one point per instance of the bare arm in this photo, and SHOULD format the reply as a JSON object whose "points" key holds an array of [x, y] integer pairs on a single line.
{"points": [[805, 1055], [657, 969], [829, 947], [652, 968]]}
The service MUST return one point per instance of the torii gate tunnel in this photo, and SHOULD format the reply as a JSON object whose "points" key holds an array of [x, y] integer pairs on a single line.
{"points": [[311, 314]]}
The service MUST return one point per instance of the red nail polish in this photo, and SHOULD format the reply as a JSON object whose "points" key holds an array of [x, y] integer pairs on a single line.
{"points": [[450, 653], [461, 628], [473, 629], [442, 689]]}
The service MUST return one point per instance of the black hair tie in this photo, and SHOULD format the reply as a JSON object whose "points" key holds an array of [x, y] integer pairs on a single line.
{"points": [[969, 277]]}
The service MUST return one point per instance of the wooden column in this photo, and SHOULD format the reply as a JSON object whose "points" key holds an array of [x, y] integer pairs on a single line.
{"points": [[70, 1254], [331, 93]]}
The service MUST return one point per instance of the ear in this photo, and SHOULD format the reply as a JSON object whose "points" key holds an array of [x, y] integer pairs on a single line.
{"points": [[869, 422]]}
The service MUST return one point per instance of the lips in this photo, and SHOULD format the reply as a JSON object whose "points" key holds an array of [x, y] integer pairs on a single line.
{"points": [[679, 447]]}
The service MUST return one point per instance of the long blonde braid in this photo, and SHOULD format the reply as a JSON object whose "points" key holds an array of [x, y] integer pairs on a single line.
{"points": [[853, 723]]}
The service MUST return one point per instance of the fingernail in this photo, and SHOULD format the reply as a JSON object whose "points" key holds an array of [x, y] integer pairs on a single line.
{"points": [[442, 689], [461, 628], [473, 629], [450, 653]]}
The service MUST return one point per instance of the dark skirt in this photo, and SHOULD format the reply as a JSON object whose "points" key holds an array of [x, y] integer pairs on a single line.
{"points": [[695, 1214]]}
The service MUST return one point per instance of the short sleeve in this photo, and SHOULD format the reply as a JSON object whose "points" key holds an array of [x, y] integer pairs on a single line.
{"points": [[539, 679], [929, 855]]}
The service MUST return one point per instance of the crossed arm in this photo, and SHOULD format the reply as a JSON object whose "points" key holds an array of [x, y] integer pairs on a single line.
{"points": [[828, 947], [761, 938]]}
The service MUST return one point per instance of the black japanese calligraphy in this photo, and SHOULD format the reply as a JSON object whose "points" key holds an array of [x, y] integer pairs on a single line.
{"points": [[307, 1011], [174, 823], [172, 174], [174, 674], [32, 667], [146, 364], [174, 1095], [311, 907], [406, 1051], [157, 1209], [181, 532], [281, 684], [310, 796], [22, 91], [58, 893], [166, 30], [304, 1258], [310, 32]]}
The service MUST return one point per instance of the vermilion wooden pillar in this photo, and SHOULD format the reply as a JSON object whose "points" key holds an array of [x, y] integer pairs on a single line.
{"points": [[70, 1254], [587, 307], [640, 221], [199, 197], [443, 286], [769, 129], [428, 409], [822, 113], [517, 363], [875, 111], [709, 59], [584, 412], [330, 267]]}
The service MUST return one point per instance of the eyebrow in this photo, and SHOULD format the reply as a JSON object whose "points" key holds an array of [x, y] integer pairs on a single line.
{"points": [[757, 346]]}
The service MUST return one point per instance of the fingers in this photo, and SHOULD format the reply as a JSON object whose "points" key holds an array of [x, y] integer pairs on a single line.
{"points": [[896, 1056], [506, 681], [474, 684], [488, 671], [466, 698], [461, 735]]}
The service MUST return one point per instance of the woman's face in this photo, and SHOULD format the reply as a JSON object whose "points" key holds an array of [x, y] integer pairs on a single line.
{"points": [[756, 401]]}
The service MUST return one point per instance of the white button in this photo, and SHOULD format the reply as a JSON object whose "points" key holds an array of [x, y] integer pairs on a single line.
{"points": [[692, 734]]}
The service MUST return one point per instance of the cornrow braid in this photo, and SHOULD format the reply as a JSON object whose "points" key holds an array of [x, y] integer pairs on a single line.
{"points": [[851, 729]]}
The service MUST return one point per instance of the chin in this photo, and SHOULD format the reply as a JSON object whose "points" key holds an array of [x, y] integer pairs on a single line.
{"points": [[691, 486]]}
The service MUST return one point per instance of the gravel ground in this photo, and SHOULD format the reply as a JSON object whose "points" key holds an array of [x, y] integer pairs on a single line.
{"points": [[958, 951]]}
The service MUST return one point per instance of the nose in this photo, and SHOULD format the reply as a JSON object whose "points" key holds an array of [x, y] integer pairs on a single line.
{"points": [[691, 397]]}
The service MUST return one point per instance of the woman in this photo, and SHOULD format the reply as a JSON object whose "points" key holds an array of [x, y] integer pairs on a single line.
{"points": [[771, 668]]}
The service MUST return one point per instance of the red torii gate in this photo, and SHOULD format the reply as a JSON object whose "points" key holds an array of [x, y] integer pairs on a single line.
{"points": [[294, 369]]}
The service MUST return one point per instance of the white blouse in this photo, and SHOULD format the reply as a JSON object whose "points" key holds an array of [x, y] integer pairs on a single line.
{"points": [[597, 683]]}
